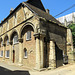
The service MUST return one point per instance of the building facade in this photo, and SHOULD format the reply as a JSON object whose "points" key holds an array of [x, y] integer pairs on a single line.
{"points": [[66, 21], [31, 37]]}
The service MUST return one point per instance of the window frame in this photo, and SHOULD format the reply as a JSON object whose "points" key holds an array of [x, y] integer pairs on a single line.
{"points": [[7, 42]]}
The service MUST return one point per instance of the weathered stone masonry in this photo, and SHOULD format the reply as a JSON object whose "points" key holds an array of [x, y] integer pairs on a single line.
{"points": [[47, 42]]}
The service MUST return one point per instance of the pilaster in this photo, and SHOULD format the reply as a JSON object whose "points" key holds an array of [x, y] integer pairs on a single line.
{"points": [[20, 51], [11, 52], [4, 51]]}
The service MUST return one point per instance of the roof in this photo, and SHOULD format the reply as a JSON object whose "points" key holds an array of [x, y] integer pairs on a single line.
{"points": [[36, 3], [42, 13], [37, 8]]}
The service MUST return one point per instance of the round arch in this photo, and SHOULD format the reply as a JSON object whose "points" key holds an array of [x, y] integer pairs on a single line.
{"points": [[6, 37], [1, 39], [28, 24], [12, 34]]}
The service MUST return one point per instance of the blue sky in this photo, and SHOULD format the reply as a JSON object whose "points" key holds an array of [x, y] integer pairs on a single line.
{"points": [[55, 6]]}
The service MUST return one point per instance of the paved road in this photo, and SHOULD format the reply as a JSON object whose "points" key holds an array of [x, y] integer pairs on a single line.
{"points": [[6, 69]]}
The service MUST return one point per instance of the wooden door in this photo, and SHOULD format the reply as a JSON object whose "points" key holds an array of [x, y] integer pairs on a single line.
{"points": [[13, 56]]}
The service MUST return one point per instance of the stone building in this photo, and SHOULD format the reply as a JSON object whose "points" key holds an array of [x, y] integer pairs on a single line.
{"points": [[31, 37], [67, 19]]}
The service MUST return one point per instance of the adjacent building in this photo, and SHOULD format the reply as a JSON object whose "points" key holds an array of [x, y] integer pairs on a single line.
{"points": [[67, 19]]}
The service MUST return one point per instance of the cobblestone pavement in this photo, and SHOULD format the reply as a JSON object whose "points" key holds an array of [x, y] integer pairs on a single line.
{"points": [[6, 69]]}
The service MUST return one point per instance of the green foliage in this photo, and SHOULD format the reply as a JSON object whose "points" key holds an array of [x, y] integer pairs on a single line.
{"points": [[72, 27]]}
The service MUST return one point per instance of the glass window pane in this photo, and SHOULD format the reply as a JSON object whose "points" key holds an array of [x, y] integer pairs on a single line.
{"points": [[7, 53], [1, 53], [15, 39], [28, 35], [7, 41]]}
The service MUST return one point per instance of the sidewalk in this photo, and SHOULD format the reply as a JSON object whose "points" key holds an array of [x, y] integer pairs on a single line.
{"points": [[64, 70], [11, 67]]}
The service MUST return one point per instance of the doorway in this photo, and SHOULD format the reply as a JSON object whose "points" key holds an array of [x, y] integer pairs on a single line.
{"points": [[13, 56], [59, 56], [46, 54]]}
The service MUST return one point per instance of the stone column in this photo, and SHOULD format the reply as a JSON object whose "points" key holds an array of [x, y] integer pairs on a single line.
{"points": [[71, 54], [20, 52], [52, 57], [4, 51], [39, 51], [11, 52], [42, 50], [70, 51], [38, 56]]}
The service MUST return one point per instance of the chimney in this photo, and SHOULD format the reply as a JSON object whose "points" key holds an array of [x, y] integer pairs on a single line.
{"points": [[1, 21], [4, 18], [47, 11], [11, 10]]}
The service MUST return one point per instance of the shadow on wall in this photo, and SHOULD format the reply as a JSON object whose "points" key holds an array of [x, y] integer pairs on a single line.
{"points": [[4, 71]]}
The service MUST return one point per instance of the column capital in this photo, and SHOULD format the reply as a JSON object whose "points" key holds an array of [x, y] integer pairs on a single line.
{"points": [[37, 35], [20, 40], [10, 42], [4, 44], [68, 44]]}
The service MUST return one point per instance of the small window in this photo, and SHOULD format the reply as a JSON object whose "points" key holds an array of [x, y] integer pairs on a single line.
{"points": [[15, 39], [28, 36], [7, 41], [25, 53], [1, 53], [7, 54]]}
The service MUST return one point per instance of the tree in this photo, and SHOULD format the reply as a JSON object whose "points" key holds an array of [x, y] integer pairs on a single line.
{"points": [[72, 27]]}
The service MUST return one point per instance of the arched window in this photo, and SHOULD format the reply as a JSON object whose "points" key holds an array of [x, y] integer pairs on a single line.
{"points": [[28, 35], [15, 39], [7, 41], [25, 53]]}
